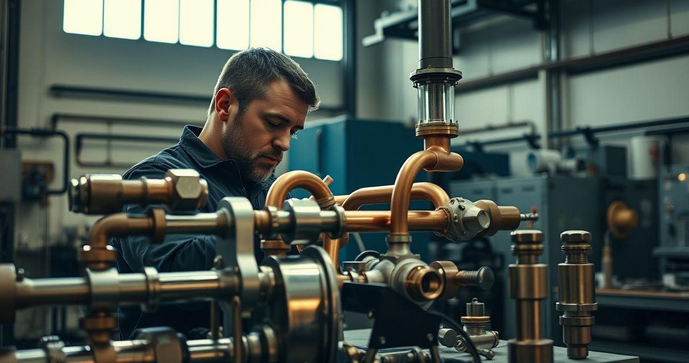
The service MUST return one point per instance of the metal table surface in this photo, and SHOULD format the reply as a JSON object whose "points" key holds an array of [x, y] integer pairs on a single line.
{"points": [[360, 338]]}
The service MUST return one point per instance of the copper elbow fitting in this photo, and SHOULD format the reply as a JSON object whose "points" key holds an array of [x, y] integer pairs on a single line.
{"points": [[299, 179]]}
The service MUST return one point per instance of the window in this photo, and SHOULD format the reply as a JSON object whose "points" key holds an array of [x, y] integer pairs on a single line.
{"points": [[196, 22], [122, 19], [233, 24], [301, 28], [83, 17], [161, 20], [328, 32], [266, 24]]}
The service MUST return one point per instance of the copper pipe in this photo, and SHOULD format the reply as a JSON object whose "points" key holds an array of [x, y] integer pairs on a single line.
{"points": [[97, 255], [379, 221], [299, 179], [117, 225], [442, 142], [435, 158], [382, 194], [339, 199], [332, 247]]}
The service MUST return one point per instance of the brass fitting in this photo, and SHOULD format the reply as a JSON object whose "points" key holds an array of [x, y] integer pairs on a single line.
{"points": [[180, 190], [454, 279], [528, 281], [424, 283], [577, 293], [501, 218]]}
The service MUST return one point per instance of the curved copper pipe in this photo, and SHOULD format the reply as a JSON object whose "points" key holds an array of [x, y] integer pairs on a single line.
{"points": [[299, 179], [339, 199], [118, 225], [435, 158], [382, 194], [380, 221]]}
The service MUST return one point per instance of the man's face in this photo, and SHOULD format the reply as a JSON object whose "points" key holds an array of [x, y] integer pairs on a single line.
{"points": [[257, 138]]}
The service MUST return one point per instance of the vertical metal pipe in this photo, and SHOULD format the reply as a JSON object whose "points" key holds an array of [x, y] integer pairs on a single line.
{"points": [[237, 327], [435, 40]]}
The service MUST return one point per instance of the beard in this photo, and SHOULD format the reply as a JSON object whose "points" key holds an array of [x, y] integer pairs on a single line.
{"points": [[236, 146]]}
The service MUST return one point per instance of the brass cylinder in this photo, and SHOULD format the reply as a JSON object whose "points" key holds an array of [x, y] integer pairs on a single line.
{"points": [[180, 190], [576, 292], [528, 286], [502, 218]]}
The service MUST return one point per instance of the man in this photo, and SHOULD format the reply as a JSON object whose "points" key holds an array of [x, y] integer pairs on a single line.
{"points": [[260, 101]]}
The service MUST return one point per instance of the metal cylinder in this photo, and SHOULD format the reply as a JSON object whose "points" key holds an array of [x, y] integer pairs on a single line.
{"points": [[435, 78], [435, 34], [180, 190], [528, 281], [158, 345], [576, 293], [149, 288]]}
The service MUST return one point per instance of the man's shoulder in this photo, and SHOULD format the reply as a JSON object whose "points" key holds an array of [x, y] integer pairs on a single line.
{"points": [[155, 166]]}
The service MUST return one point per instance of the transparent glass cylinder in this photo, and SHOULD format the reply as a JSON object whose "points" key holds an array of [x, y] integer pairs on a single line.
{"points": [[436, 102]]}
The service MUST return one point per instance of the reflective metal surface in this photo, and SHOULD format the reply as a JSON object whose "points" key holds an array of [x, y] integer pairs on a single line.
{"points": [[576, 293]]}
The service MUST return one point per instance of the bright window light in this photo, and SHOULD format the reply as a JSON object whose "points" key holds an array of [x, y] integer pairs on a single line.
{"points": [[328, 32], [83, 17], [161, 20], [299, 29], [122, 19], [233, 24], [196, 22], [266, 24]]}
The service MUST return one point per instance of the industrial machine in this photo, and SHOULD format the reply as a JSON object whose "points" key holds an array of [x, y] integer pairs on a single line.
{"points": [[673, 250], [297, 301]]}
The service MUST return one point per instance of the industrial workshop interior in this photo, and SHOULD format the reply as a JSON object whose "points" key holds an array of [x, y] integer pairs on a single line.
{"points": [[359, 181]]}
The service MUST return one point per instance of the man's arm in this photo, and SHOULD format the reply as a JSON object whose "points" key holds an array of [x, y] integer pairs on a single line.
{"points": [[176, 252]]}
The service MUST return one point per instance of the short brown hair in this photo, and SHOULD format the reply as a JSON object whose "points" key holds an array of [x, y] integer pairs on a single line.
{"points": [[249, 72]]}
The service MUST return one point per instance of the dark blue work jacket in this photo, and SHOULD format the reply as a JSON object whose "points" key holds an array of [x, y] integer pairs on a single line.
{"points": [[181, 252]]}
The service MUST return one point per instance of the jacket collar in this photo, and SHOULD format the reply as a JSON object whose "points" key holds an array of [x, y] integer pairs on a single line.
{"points": [[197, 150], [205, 157]]}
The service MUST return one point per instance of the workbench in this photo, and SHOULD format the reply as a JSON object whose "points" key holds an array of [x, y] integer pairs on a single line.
{"points": [[359, 338]]}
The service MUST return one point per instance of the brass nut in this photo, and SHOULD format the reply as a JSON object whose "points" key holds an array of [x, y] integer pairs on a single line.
{"points": [[575, 236], [527, 236], [189, 191]]}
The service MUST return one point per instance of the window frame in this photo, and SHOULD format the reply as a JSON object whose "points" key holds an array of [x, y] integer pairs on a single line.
{"points": [[337, 3]]}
